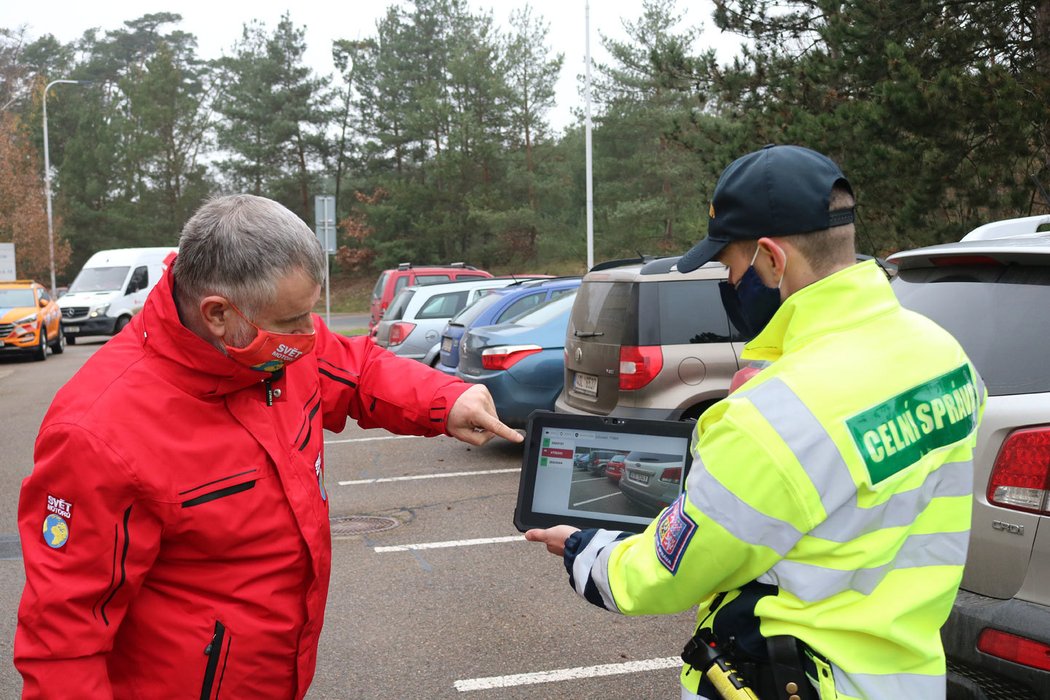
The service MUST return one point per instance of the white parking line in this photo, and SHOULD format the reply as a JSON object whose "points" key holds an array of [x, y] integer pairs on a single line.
{"points": [[592, 500], [566, 674], [443, 475], [371, 439], [450, 543]]}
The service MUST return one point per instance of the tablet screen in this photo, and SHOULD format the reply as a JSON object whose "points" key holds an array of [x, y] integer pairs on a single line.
{"points": [[601, 472]]}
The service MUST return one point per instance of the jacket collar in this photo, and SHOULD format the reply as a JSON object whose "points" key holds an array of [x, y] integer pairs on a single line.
{"points": [[838, 301], [193, 363]]}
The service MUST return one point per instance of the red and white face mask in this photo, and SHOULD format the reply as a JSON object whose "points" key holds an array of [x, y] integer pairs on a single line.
{"points": [[270, 351]]}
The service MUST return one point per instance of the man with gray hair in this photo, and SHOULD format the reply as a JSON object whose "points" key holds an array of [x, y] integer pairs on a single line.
{"points": [[179, 476]]}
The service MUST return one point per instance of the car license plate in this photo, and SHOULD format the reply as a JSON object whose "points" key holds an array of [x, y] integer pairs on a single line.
{"points": [[585, 384], [446, 345], [71, 329], [640, 477]]}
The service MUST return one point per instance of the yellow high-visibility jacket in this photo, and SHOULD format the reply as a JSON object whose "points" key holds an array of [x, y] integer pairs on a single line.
{"points": [[829, 498]]}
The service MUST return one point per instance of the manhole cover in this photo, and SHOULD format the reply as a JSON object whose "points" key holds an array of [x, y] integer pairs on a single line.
{"points": [[347, 525]]}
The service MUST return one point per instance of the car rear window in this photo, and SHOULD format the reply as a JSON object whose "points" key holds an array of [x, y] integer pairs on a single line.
{"points": [[466, 316], [443, 305], [520, 306], [396, 310], [377, 291], [680, 313], [431, 279], [538, 315], [998, 314], [606, 311]]}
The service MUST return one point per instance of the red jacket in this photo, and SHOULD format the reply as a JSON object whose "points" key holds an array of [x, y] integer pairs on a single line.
{"points": [[175, 527]]}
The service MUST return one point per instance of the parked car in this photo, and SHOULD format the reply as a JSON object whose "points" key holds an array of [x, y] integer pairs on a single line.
{"points": [[651, 480], [992, 292], [412, 324], [392, 281], [521, 361], [30, 320], [647, 341], [500, 306], [110, 289], [614, 467]]}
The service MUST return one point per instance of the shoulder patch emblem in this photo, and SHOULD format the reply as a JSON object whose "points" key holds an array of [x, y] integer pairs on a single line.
{"points": [[673, 533], [56, 531]]}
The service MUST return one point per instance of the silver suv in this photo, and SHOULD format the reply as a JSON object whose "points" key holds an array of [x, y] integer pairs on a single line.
{"points": [[992, 292], [647, 341]]}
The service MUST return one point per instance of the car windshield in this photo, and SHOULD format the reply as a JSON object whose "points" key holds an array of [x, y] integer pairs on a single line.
{"points": [[539, 315], [16, 297], [997, 313], [99, 279], [466, 316]]}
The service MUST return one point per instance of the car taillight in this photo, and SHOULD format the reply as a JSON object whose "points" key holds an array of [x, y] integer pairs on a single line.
{"points": [[1011, 647], [1021, 476], [639, 365], [506, 356], [672, 475], [399, 331]]}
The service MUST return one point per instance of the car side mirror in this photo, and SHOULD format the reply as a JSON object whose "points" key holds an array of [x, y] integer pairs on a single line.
{"points": [[43, 302]]}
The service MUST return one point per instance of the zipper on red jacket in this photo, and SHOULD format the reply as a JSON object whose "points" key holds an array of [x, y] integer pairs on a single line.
{"points": [[218, 648]]}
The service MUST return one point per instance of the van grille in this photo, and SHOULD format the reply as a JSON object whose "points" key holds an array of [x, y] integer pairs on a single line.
{"points": [[74, 311], [5, 329]]}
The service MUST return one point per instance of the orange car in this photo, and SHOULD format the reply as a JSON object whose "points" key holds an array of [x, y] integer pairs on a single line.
{"points": [[29, 320]]}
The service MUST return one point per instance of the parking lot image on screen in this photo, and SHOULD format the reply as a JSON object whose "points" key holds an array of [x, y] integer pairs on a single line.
{"points": [[612, 476]]}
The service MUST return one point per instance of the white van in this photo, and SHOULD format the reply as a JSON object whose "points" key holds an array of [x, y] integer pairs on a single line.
{"points": [[109, 290]]}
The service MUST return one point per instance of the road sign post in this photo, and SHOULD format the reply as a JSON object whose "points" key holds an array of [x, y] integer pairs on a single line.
{"points": [[324, 226]]}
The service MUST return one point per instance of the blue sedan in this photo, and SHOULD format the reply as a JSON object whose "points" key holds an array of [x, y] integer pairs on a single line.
{"points": [[522, 362], [499, 306]]}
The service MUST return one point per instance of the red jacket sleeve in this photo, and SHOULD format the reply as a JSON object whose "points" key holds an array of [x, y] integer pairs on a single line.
{"points": [[87, 543], [378, 389]]}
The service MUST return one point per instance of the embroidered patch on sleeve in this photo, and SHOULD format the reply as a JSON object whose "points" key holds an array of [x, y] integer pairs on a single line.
{"points": [[57, 521], [673, 533]]}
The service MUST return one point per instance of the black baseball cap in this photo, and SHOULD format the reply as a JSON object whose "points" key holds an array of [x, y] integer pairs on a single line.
{"points": [[774, 191]]}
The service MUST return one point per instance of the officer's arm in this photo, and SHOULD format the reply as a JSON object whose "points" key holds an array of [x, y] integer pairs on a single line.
{"points": [[734, 521], [87, 543]]}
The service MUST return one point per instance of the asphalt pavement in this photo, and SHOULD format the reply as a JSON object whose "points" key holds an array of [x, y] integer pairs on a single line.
{"points": [[443, 598]]}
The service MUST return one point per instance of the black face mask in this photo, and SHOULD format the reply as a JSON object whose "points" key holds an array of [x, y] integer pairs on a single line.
{"points": [[750, 304]]}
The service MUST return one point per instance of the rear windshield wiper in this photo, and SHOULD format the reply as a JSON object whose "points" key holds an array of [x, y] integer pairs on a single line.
{"points": [[587, 334]]}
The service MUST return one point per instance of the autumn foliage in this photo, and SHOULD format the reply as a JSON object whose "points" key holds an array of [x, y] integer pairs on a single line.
{"points": [[23, 213]]}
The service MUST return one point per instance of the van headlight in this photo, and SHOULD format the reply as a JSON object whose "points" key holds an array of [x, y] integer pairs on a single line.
{"points": [[99, 311]]}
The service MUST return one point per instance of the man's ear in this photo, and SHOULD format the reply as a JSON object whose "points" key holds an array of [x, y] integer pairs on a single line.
{"points": [[777, 254], [214, 311]]}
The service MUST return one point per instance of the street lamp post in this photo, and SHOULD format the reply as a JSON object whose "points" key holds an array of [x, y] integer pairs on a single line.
{"points": [[47, 181]]}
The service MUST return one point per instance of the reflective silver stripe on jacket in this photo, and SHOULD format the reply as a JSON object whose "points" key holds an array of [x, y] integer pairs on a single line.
{"points": [[900, 509], [583, 566], [600, 574], [896, 686], [810, 583], [742, 521], [808, 440]]}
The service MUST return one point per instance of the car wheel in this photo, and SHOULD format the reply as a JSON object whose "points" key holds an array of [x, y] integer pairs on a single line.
{"points": [[59, 345], [40, 354], [121, 322]]}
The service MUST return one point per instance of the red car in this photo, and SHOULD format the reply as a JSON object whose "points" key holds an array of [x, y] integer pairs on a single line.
{"points": [[614, 468], [392, 281]]}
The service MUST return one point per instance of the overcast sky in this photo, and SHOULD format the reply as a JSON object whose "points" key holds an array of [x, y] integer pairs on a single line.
{"points": [[217, 25]]}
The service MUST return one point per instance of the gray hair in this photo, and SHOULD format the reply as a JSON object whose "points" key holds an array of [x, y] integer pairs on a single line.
{"points": [[239, 246]]}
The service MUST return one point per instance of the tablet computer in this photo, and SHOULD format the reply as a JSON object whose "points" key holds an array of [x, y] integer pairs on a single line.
{"points": [[600, 471]]}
